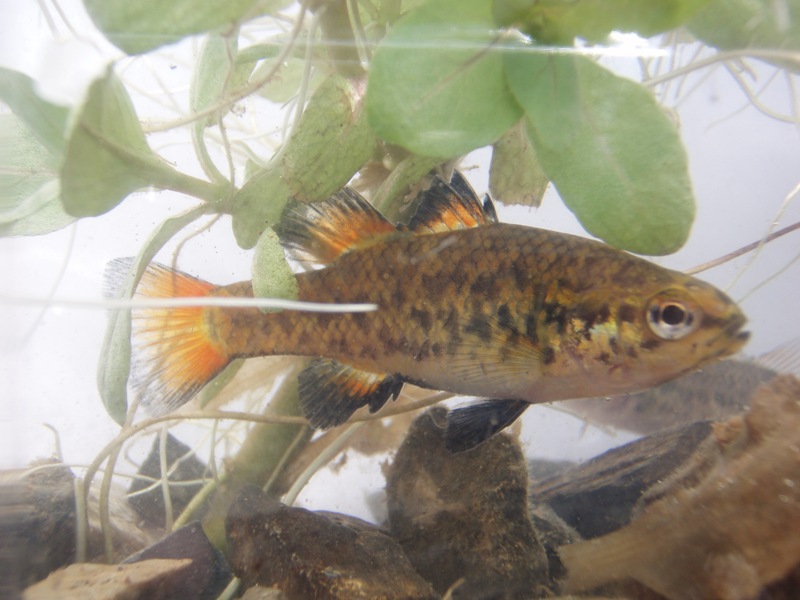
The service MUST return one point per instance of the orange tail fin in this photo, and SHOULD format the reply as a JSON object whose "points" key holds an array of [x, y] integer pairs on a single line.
{"points": [[174, 353]]}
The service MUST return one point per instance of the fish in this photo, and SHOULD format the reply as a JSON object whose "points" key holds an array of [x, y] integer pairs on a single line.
{"points": [[512, 314], [714, 393]]}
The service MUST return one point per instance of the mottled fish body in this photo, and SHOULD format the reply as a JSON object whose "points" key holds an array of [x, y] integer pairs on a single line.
{"points": [[511, 313]]}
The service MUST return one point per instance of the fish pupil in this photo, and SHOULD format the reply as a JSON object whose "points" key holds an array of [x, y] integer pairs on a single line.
{"points": [[672, 314]]}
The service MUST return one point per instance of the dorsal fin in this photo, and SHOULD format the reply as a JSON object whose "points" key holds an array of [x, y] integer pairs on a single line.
{"points": [[321, 231], [446, 207]]}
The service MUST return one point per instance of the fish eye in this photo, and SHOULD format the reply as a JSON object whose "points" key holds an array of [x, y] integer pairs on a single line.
{"points": [[671, 320]]}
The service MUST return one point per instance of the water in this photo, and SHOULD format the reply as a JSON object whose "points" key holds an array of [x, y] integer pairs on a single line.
{"points": [[743, 164]]}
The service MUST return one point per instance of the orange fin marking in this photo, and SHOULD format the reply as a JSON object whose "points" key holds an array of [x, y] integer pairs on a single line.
{"points": [[330, 392], [174, 351], [451, 206], [322, 231]]}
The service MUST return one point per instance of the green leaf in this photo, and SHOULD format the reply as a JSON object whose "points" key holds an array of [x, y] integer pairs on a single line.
{"points": [[737, 24], [141, 26], [436, 83], [515, 175], [106, 156], [46, 121], [272, 276], [115, 354], [389, 197], [331, 143], [610, 150], [215, 63], [218, 383], [30, 202], [561, 21], [285, 83], [258, 205]]}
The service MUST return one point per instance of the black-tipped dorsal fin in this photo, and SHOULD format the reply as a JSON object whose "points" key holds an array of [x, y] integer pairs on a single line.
{"points": [[471, 426], [446, 207], [321, 231], [330, 392]]}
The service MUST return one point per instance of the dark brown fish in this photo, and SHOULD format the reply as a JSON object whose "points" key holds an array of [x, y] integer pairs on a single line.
{"points": [[715, 393], [464, 304]]}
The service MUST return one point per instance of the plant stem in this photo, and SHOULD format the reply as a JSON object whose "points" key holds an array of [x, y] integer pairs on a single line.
{"points": [[340, 39], [410, 170], [262, 452]]}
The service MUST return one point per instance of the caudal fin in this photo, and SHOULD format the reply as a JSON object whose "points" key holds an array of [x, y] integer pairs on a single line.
{"points": [[174, 353]]}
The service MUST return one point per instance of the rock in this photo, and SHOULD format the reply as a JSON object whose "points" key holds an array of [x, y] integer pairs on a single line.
{"points": [[465, 516], [148, 580], [37, 524], [263, 593], [599, 496], [724, 531], [552, 533], [312, 555], [150, 504], [208, 573]]}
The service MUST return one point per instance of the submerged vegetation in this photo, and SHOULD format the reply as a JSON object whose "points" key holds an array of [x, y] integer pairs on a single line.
{"points": [[292, 101]]}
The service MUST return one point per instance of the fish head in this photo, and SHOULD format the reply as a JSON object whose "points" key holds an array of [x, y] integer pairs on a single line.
{"points": [[685, 326]]}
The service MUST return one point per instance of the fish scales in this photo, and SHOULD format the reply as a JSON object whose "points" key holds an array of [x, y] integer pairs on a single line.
{"points": [[464, 304]]}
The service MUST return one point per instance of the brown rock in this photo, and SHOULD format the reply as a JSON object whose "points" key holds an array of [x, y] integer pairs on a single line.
{"points": [[729, 535], [184, 467], [465, 516], [208, 574], [311, 555], [148, 580], [599, 496]]}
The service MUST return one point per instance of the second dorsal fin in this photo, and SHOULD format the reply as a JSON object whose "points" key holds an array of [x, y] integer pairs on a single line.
{"points": [[445, 207], [320, 232]]}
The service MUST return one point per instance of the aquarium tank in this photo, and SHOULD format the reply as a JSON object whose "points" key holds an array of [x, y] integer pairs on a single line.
{"points": [[396, 299]]}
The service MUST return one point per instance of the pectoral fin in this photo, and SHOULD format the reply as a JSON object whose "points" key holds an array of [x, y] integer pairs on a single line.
{"points": [[471, 426], [330, 392]]}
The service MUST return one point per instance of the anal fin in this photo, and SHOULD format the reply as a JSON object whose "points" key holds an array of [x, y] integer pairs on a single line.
{"points": [[471, 426], [330, 392]]}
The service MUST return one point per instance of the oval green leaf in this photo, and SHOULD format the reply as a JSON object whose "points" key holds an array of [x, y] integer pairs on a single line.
{"points": [[272, 275], [762, 24], [515, 175], [144, 25], [216, 63], [436, 84], [257, 205], [560, 22], [47, 121], [30, 199], [613, 154], [331, 143], [106, 156]]}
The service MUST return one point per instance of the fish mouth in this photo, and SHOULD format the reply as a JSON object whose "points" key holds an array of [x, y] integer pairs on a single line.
{"points": [[732, 333]]}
